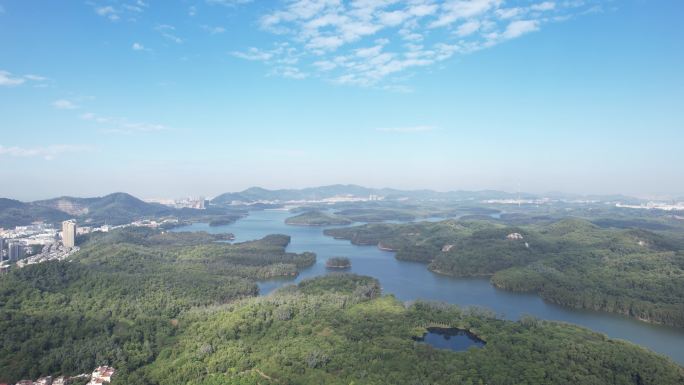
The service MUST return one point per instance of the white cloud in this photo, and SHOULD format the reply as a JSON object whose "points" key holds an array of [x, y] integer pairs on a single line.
{"points": [[545, 6], [109, 12], [409, 129], [192, 11], [229, 3], [120, 125], [455, 10], [289, 72], [168, 32], [213, 30], [139, 47], [467, 28], [64, 104], [133, 8], [118, 10], [520, 27], [338, 40], [8, 79], [36, 78], [508, 13], [253, 54], [46, 152]]}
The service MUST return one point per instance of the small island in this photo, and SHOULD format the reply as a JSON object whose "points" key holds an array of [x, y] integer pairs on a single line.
{"points": [[317, 218], [338, 263]]}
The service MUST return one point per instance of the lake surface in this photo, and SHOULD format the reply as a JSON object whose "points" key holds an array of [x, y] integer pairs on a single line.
{"points": [[452, 339], [412, 280]]}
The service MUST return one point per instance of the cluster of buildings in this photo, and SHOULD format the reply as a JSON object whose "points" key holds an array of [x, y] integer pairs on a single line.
{"points": [[198, 203], [518, 201], [674, 206], [37, 243], [10, 251], [27, 245], [295, 203], [101, 375]]}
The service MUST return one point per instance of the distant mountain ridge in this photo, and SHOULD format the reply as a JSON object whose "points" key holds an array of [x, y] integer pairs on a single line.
{"points": [[116, 208], [15, 213], [259, 194]]}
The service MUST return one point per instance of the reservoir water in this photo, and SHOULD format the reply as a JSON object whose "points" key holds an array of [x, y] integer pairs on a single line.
{"points": [[411, 280], [453, 339]]}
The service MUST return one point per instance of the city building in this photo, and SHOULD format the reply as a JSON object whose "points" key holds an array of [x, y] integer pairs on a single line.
{"points": [[15, 251], [44, 381], [69, 233], [101, 374], [2, 248]]}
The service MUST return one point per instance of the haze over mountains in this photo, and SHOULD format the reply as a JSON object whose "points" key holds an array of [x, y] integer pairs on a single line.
{"points": [[119, 208], [114, 208], [324, 192]]}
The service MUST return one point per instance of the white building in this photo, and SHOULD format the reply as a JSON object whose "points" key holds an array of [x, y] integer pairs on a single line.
{"points": [[69, 233]]}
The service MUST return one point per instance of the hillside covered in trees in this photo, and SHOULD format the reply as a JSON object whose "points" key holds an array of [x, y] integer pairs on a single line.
{"points": [[571, 262], [317, 218], [337, 329], [119, 301]]}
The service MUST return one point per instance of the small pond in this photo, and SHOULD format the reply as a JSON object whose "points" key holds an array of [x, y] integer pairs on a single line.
{"points": [[453, 339]]}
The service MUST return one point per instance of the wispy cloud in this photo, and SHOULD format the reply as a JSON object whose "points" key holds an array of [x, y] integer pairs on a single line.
{"points": [[367, 43], [115, 11], [213, 30], [407, 129], [282, 58], [109, 12], [520, 27], [64, 104], [253, 54], [139, 47], [7, 79], [169, 32], [47, 152], [229, 3], [121, 125]]}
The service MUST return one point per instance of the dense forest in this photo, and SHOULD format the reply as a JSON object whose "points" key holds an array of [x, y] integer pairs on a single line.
{"points": [[572, 261], [317, 218], [180, 308], [338, 329], [119, 301]]}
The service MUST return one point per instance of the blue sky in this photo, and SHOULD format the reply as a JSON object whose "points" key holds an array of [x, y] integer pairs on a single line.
{"points": [[207, 96]]}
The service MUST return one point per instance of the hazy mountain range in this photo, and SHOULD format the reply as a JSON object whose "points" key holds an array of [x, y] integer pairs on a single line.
{"points": [[114, 208], [254, 194], [121, 207]]}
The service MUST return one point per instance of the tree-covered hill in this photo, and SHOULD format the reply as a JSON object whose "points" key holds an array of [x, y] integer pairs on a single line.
{"points": [[119, 301], [572, 262], [116, 208], [338, 330], [112, 209], [15, 213], [317, 218]]}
